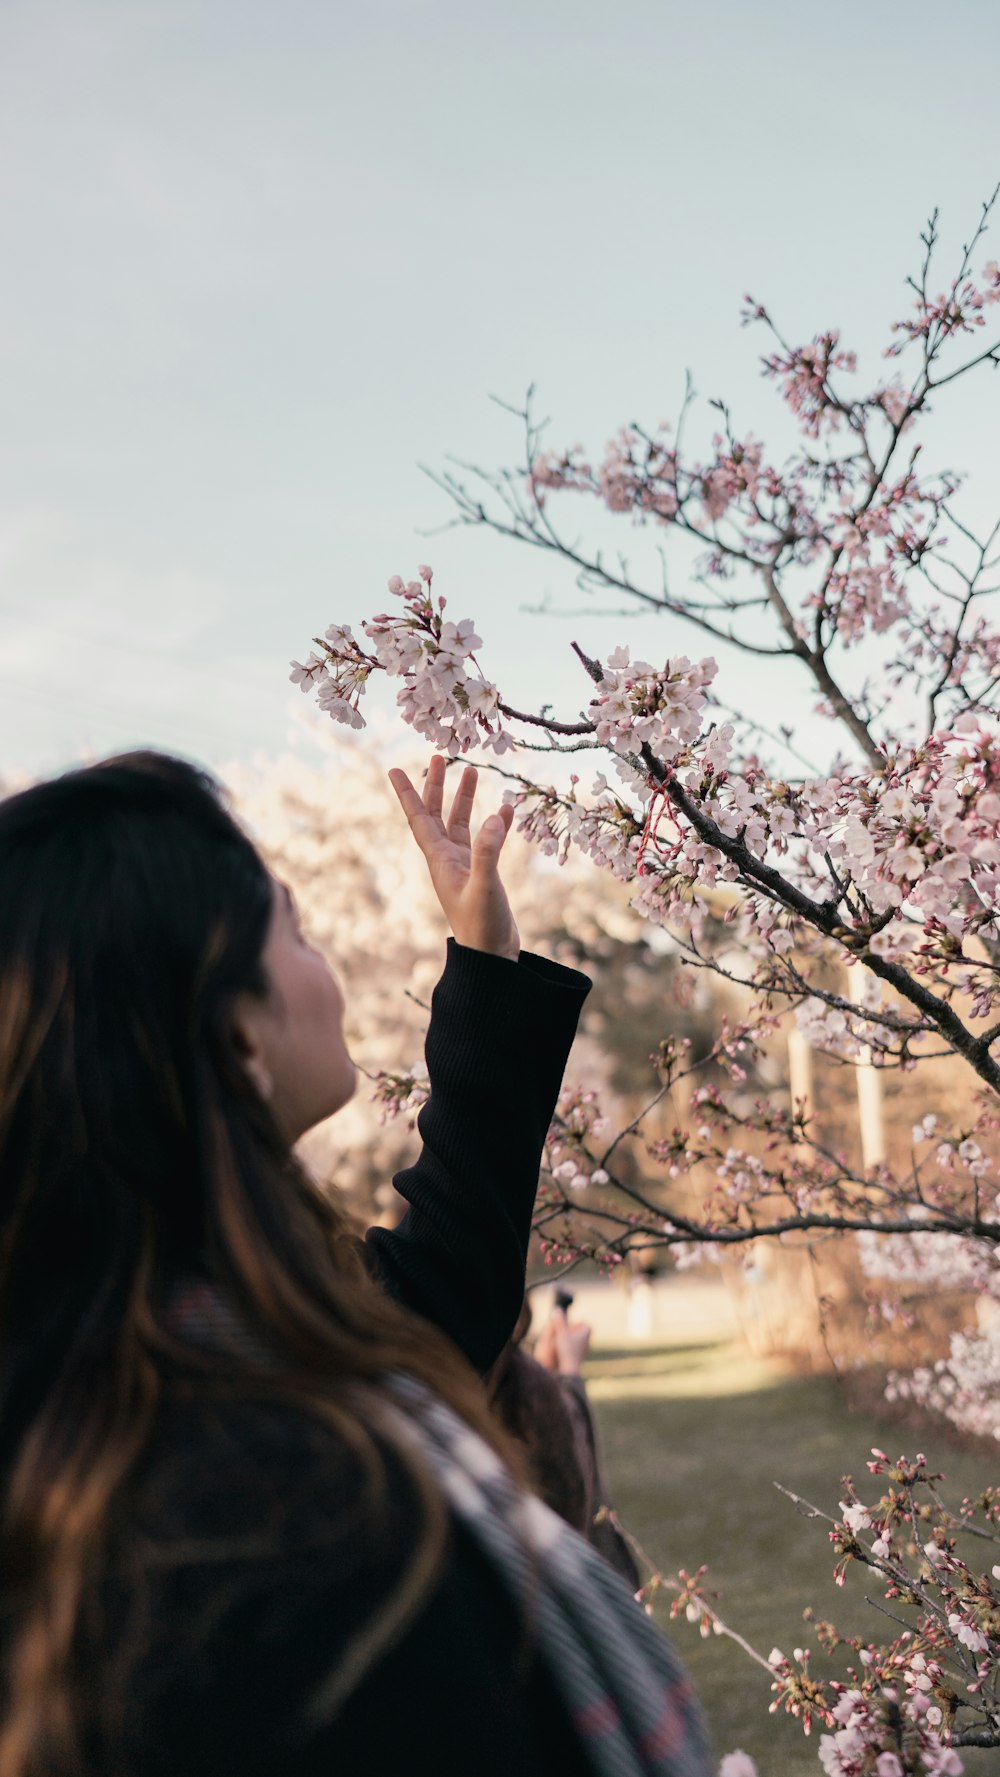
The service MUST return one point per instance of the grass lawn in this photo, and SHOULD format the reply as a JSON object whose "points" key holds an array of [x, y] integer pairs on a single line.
{"points": [[694, 1438]]}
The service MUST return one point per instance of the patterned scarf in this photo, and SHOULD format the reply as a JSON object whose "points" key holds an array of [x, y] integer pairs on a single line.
{"points": [[618, 1678]]}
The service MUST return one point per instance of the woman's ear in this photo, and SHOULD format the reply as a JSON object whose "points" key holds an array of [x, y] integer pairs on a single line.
{"points": [[260, 1077], [249, 1049]]}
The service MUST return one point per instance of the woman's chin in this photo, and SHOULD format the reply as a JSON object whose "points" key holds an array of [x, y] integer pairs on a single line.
{"points": [[344, 1090], [340, 1092]]}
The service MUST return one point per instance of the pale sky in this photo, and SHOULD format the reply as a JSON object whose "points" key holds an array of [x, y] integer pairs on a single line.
{"points": [[260, 262]]}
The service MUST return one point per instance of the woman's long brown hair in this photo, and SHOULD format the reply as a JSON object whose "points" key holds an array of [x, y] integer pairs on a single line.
{"points": [[133, 1153]]}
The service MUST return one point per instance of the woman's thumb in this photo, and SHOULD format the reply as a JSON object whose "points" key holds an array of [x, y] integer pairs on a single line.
{"points": [[497, 827], [489, 839]]}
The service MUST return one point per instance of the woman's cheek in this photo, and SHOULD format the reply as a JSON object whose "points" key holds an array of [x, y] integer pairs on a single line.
{"points": [[318, 999]]}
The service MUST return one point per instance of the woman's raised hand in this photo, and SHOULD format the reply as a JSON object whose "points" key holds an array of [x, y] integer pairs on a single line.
{"points": [[464, 871]]}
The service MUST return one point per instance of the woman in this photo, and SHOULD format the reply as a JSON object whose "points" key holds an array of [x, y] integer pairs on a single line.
{"points": [[255, 1513]]}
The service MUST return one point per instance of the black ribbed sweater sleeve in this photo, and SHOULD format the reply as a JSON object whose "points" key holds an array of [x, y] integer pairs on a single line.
{"points": [[499, 1036]]}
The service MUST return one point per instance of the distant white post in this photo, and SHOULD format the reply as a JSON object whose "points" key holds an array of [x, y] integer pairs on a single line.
{"points": [[869, 1085], [800, 1070], [640, 1303]]}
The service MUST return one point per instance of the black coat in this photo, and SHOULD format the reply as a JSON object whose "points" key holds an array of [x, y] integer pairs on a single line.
{"points": [[246, 1579]]}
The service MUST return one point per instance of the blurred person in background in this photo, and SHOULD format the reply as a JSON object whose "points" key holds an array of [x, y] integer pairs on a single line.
{"points": [[541, 1398]]}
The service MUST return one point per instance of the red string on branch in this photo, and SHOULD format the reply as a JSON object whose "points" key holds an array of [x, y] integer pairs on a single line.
{"points": [[660, 808]]}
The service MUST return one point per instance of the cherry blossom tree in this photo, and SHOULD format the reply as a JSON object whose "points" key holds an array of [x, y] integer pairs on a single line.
{"points": [[860, 897]]}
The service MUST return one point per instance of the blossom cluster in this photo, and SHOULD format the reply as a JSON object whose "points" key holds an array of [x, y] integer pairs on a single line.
{"points": [[863, 1724], [577, 1120], [449, 705], [806, 376], [958, 310], [400, 1094], [963, 1385]]}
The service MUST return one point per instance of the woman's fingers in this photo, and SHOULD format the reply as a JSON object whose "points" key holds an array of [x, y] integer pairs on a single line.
{"points": [[423, 812], [432, 798], [423, 825], [434, 786], [461, 809]]}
